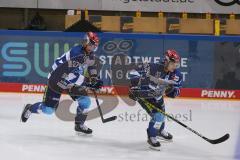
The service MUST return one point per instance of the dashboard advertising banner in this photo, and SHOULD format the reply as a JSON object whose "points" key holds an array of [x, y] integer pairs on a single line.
{"points": [[27, 57]]}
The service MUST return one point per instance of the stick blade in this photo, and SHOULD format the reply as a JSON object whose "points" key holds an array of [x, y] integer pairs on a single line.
{"points": [[109, 119], [219, 140]]}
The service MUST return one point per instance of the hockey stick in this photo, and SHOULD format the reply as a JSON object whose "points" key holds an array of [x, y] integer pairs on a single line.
{"points": [[104, 120], [212, 141], [76, 90]]}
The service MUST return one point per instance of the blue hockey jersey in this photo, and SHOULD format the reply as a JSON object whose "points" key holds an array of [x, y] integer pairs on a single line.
{"points": [[140, 78], [73, 67]]}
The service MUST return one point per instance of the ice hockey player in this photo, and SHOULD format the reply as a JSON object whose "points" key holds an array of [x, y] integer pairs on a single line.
{"points": [[75, 69], [149, 83]]}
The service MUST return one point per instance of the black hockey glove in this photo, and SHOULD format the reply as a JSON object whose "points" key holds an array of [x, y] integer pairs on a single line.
{"points": [[76, 90], [95, 84]]}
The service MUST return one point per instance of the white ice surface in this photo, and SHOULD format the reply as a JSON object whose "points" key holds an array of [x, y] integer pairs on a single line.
{"points": [[48, 138]]}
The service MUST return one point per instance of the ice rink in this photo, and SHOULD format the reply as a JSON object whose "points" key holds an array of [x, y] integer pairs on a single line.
{"points": [[49, 138]]}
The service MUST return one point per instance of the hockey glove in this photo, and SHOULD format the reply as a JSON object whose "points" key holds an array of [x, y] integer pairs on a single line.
{"points": [[95, 84]]}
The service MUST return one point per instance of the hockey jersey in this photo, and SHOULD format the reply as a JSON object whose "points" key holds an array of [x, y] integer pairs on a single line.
{"points": [[140, 78], [73, 67]]}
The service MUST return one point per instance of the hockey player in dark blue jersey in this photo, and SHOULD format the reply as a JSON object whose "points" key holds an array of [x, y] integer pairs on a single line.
{"points": [[149, 83], [74, 71]]}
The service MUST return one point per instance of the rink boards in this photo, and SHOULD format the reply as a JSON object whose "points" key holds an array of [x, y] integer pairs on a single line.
{"points": [[117, 90], [208, 63]]}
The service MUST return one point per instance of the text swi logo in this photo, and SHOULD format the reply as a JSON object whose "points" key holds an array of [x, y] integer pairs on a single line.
{"points": [[227, 2]]}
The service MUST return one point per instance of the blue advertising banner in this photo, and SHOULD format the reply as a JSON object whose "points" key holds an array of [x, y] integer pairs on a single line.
{"points": [[27, 56]]}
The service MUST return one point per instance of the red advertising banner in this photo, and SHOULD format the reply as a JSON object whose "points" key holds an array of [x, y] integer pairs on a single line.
{"points": [[123, 90]]}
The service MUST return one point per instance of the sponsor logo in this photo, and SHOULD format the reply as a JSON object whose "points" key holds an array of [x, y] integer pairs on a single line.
{"points": [[112, 46], [227, 3], [33, 88], [159, 1], [218, 94], [39, 88], [22, 58], [107, 90]]}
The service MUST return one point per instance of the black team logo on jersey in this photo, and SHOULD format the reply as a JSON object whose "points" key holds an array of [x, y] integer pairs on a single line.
{"points": [[229, 3]]}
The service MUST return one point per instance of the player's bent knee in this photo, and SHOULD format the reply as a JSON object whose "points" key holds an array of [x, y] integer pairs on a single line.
{"points": [[48, 110], [84, 102], [158, 117]]}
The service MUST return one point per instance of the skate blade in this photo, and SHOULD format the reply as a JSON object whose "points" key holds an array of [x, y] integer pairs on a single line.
{"points": [[163, 140], [25, 105], [154, 148], [81, 134]]}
